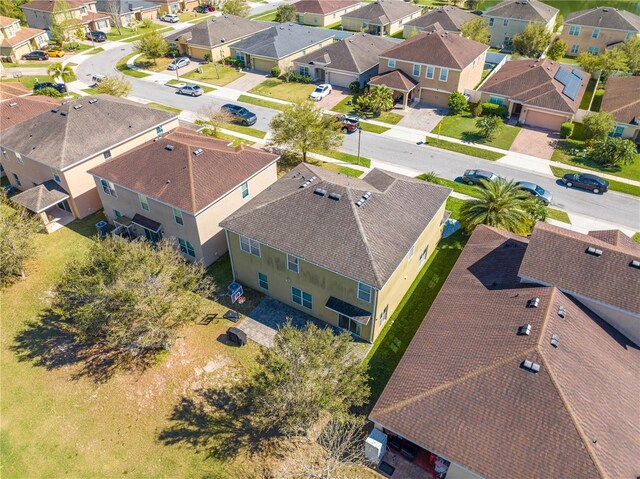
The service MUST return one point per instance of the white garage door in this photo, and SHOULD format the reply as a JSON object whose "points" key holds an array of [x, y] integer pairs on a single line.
{"points": [[544, 120], [340, 79]]}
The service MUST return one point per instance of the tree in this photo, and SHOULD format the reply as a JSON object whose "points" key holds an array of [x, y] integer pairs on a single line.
{"points": [[608, 62], [558, 23], [631, 48], [598, 125], [306, 373], [214, 116], [500, 204], [304, 127], [17, 231], [60, 24], [239, 8], [457, 103], [489, 126], [131, 297], [114, 9], [152, 46], [557, 50], [533, 41], [614, 152], [60, 71], [11, 9], [472, 4], [48, 91], [286, 13], [476, 29], [379, 98], [589, 62], [114, 85]]}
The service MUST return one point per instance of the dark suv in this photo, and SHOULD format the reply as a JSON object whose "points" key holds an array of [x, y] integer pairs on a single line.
{"points": [[36, 55], [586, 181], [96, 36], [56, 86], [240, 113]]}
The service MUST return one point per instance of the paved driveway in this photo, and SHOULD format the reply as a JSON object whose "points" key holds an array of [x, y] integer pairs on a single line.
{"points": [[247, 81], [422, 117], [535, 142], [335, 97]]}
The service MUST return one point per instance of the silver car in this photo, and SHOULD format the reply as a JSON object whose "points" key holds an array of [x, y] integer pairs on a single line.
{"points": [[537, 191], [191, 90], [178, 63]]}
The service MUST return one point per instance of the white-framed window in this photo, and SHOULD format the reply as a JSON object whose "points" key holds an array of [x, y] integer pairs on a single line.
{"points": [[304, 71], [391, 63], [107, 155], [17, 180], [491, 20], [412, 250], [594, 50], [263, 281], [496, 100], [430, 72], [249, 245], [293, 263], [302, 298], [159, 130], [595, 33], [364, 292], [574, 30], [177, 216], [56, 176], [5, 156], [444, 74], [108, 188], [19, 158], [383, 315], [575, 48], [505, 22], [117, 214], [245, 189], [423, 255], [416, 70], [144, 202], [186, 248]]}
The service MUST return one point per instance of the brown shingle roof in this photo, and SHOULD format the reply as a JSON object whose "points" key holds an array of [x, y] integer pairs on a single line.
{"points": [[605, 17], [365, 243], [219, 30], [396, 80], [622, 99], [21, 36], [438, 48], [532, 82], [529, 10], [50, 5], [183, 179], [383, 12], [449, 18], [323, 7], [12, 89], [21, 109], [460, 390]]}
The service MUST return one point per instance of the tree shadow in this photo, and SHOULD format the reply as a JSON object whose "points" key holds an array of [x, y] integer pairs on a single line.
{"points": [[472, 137], [49, 342]]}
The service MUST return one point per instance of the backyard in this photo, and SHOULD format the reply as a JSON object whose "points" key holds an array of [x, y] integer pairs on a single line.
{"points": [[347, 106], [463, 127], [216, 74], [288, 91]]}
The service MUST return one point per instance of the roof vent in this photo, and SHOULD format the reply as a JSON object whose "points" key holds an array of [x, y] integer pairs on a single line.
{"points": [[169, 147], [530, 366], [555, 340], [198, 152], [360, 202], [93, 100], [335, 196], [594, 251], [635, 264], [222, 40], [55, 110], [562, 312], [320, 192], [367, 195], [524, 330], [533, 302], [63, 113], [77, 107], [13, 105]]}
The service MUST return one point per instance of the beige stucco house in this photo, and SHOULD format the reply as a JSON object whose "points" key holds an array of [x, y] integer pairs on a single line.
{"points": [[323, 13], [17, 40], [344, 250], [595, 30], [175, 6], [63, 143], [430, 66], [382, 17], [622, 99], [511, 17], [80, 14], [448, 18], [128, 12], [198, 181]]}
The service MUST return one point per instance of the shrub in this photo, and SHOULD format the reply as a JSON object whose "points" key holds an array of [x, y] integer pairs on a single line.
{"points": [[275, 72], [52, 92], [566, 129], [476, 110], [208, 58], [457, 103], [489, 109], [354, 87], [489, 126], [146, 23], [232, 62], [294, 77]]}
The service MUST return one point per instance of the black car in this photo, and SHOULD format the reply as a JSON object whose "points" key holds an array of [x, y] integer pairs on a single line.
{"points": [[471, 177], [204, 9], [36, 55], [56, 86], [243, 115], [96, 36], [585, 181]]}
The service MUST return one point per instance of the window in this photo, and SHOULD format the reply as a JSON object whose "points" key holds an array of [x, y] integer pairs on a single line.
{"points": [[444, 74], [245, 189], [263, 281], [304, 71], [594, 50], [383, 315], [107, 155], [364, 292], [629, 36], [505, 22], [144, 202], [574, 48], [108, 188], [348, 324], [496, 100], [491, 20], [302, 298], [412, 250], [595, 33], [315, 20], [187, 248], [617, 131], [423, 255], [293, 264], [19, 158], [4, 155], [574, 30], [250, 246], [177, 216], [391, 63], [117, 214], [17, 180], [430, 72], [56, 176], [416, 70]]}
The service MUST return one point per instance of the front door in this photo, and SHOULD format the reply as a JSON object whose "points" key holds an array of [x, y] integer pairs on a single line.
{"points": [[64, 205], [349, 324], [152, 236], [320, 74], [517, 109]]}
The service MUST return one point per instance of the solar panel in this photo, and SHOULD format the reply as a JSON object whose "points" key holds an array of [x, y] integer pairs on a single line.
{"points": [[578, 73], [563, 75], [571, 89]]}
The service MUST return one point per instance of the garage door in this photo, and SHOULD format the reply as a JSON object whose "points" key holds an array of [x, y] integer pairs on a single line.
{"points": [[544, 120], [434, 97], [263, 65], [340, 79]]}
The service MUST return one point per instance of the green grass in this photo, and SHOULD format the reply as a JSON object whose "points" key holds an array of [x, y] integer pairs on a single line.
{"points": [[569, 60], [636, 238], [263, 103], [77, 48], [221, 272], [91, 91], [464, 149], [224, 76], [94, 51], [588, 93], [398, 34], [453, 206], [165, 107], [135, 38], [558, 215], [613, 185], [346, 157], [269, 16], [233, 140], [464, 128], [373, 128], [345, 170], [347, 106], [122, 67], [127, 33], [27, 81], [205, 88], [462, 188], [597, 100], [29, 64], [247, 130], [403, 324], [276, 88]]}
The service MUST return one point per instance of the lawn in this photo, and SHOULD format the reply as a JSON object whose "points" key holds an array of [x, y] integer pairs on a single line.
{"points": [[130, 32], [224, 74], [233, 140], [288, 91], [159, 65], [123, 68], [165, 107], [91, 91], [569, 60], [28, 64], [346, 106], [463, 127], [558, 215], [347, 158], [597, 100], [462, 188], [94, 51], [269, 16], [464, 149], [345, 170], [453, 206], [135, 38], [588, 94], [371, 128], [636, 238], [263, 103], [613, 185]]}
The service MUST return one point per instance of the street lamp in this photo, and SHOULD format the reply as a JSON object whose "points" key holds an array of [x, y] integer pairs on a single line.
{"points": [[359, 138]]}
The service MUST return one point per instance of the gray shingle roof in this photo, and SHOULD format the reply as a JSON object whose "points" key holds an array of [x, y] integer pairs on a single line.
{"points": [[365, 243], [125, 5], [41, 197], [383, 12], [449, 18], [605, 17], [323, 7], [356, 54], [218, 30], [63, 138], [282, 40], [529, 10]]}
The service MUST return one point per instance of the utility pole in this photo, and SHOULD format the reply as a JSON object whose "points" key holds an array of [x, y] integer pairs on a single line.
{"points": [[359, 138]]}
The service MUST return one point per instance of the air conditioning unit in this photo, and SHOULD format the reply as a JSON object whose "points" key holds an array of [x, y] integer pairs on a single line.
{"points": [[375, 446]]}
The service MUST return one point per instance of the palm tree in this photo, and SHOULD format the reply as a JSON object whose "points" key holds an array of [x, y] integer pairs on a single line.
{"points": [[58, 70], [501, 204]]}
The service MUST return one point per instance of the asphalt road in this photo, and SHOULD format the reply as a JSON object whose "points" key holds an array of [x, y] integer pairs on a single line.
{"points": [[611, 207]]}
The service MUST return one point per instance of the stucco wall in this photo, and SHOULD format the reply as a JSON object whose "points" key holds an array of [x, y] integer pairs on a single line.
{"points": [[459, 472], [625, 322], [514, 27], [356, 24], [319, 20], [585, 40]]}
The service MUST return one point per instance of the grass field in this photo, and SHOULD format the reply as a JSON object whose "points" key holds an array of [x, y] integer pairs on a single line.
{"points": [[597, 100], [263, 103], [588, 94], [558, 215], [464, 128], [160, 64], [276, 88], [247, 130], [345, 170], [135, 38], [269, 16], [464, 149], [346, 106], [461, 188], [27, 81], [225, 74], [373, 128], [613, 185], [94, 51], [122, 67], [165, 107]]}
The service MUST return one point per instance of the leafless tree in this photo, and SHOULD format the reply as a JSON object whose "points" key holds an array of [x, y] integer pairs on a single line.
{"points": [[214, 116], [114, 9]]}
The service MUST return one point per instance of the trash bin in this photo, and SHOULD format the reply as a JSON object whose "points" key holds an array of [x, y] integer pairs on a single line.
{"points": [[236, 336]]}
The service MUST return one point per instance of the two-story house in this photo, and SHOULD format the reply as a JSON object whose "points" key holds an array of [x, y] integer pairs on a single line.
{"points": [[511, 17], [323, 13], [622, 100], [45, 13], [597, 29], [198, 182], [430, 66], [18, 40], [344, 250], [175, 6], [382, 17], [127, 12], [63, 143], [450, 19]]}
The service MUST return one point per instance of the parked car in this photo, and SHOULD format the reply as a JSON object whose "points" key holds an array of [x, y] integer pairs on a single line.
{"points": [[170, 17], [320, 92], [586, 181], [240, 113], [178, 63], [36, 55], [191, 90], [536, 190], [204, 9], [96, 36], [349, 123], [97, 78], [55, 52], [56, 86], [472, 177]]}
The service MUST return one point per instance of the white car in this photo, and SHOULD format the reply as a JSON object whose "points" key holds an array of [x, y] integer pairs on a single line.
{"points": [[320, 92], [170, 17], [178, 63]]}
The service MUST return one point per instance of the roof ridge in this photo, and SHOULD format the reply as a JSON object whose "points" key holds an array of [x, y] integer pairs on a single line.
{"points": [[545, 318], [192, 187], [441, 38]]}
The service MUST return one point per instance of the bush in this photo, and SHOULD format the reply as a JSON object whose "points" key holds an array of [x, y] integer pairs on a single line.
{"points": [[208, 58], [294, 77], [52, 92], [489, 109], [457, 103], [146, 23], [489, 126], [566, 129], [354, 87], [476, 110], [275, 72], [232, 62]]}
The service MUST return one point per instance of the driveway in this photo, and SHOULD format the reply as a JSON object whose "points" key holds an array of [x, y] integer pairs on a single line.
{"points": [[535, 142], [422, 117], [247, 81], [335, 97]]}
